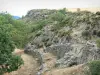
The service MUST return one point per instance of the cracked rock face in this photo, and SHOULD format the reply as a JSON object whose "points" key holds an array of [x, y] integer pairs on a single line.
{"points": [[69, 54], [59, 50], [82, 55]]}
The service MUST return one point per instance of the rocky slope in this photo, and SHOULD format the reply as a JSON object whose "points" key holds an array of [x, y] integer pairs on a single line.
{"points": [[73, 43], [38, 14]]}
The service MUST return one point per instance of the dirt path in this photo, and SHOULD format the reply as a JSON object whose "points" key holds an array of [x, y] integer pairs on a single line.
{"points": [[30, 65], [75, 70]]}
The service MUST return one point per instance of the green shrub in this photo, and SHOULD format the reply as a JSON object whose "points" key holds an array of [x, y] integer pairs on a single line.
{"points": [[98, 43], [87, 28], [98, 33], [98, 13], [8, 61], [94, 32], [38, 25], [62, 33], [63, 11], [94, 67], [60, 20], [58, 16], [38, 33], [85, 33], [68, 20], [18, 30]]}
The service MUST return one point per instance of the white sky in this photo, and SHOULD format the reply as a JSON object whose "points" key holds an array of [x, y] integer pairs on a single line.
{"points": [[20, 7]]}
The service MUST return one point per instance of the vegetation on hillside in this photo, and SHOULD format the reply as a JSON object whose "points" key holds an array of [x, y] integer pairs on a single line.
{"points": [[17, 33], [8, 61], [94, 67], [61, 20], [18, 29]]}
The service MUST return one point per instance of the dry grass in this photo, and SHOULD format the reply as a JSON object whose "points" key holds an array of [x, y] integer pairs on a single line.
{"points": [[75, 70], [49, 60]]}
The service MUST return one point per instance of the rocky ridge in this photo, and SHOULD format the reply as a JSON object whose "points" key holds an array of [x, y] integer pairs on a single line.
{"points": [[71, 49]]}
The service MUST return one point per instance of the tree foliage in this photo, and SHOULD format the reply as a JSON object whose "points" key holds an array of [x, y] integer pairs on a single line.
{"points": [[8, 61], [19, 29], [94, 67]]}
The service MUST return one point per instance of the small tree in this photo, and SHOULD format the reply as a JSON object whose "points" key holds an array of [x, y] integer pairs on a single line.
{"points": [[8, 61]]}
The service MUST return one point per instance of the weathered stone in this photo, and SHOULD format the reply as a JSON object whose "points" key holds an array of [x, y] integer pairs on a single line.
{"points": [[59, 50], [83, 54]]}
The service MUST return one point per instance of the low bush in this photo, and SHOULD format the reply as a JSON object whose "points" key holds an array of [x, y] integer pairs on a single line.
{"points": [[8, 61], [98, 33], [94, 32], [62, 33], [98, 13], [94, 67], [86, 33]]}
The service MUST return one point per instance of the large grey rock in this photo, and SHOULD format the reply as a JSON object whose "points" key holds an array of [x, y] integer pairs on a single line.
{"points": [[88, 53], [68, 60], [38, 14], [59, 50], [78, 55]]}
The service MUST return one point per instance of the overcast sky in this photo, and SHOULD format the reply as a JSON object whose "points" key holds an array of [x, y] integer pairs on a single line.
{"points": [[20, 7]]}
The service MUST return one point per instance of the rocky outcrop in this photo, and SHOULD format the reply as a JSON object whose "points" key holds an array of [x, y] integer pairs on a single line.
{"points": [[38, 14], [78, 55], [59, 50], [67, 43], [70, 54]]}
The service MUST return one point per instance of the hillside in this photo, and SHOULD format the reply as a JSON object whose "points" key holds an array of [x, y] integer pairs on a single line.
{"points": [[55, 42], [73, 37]]}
